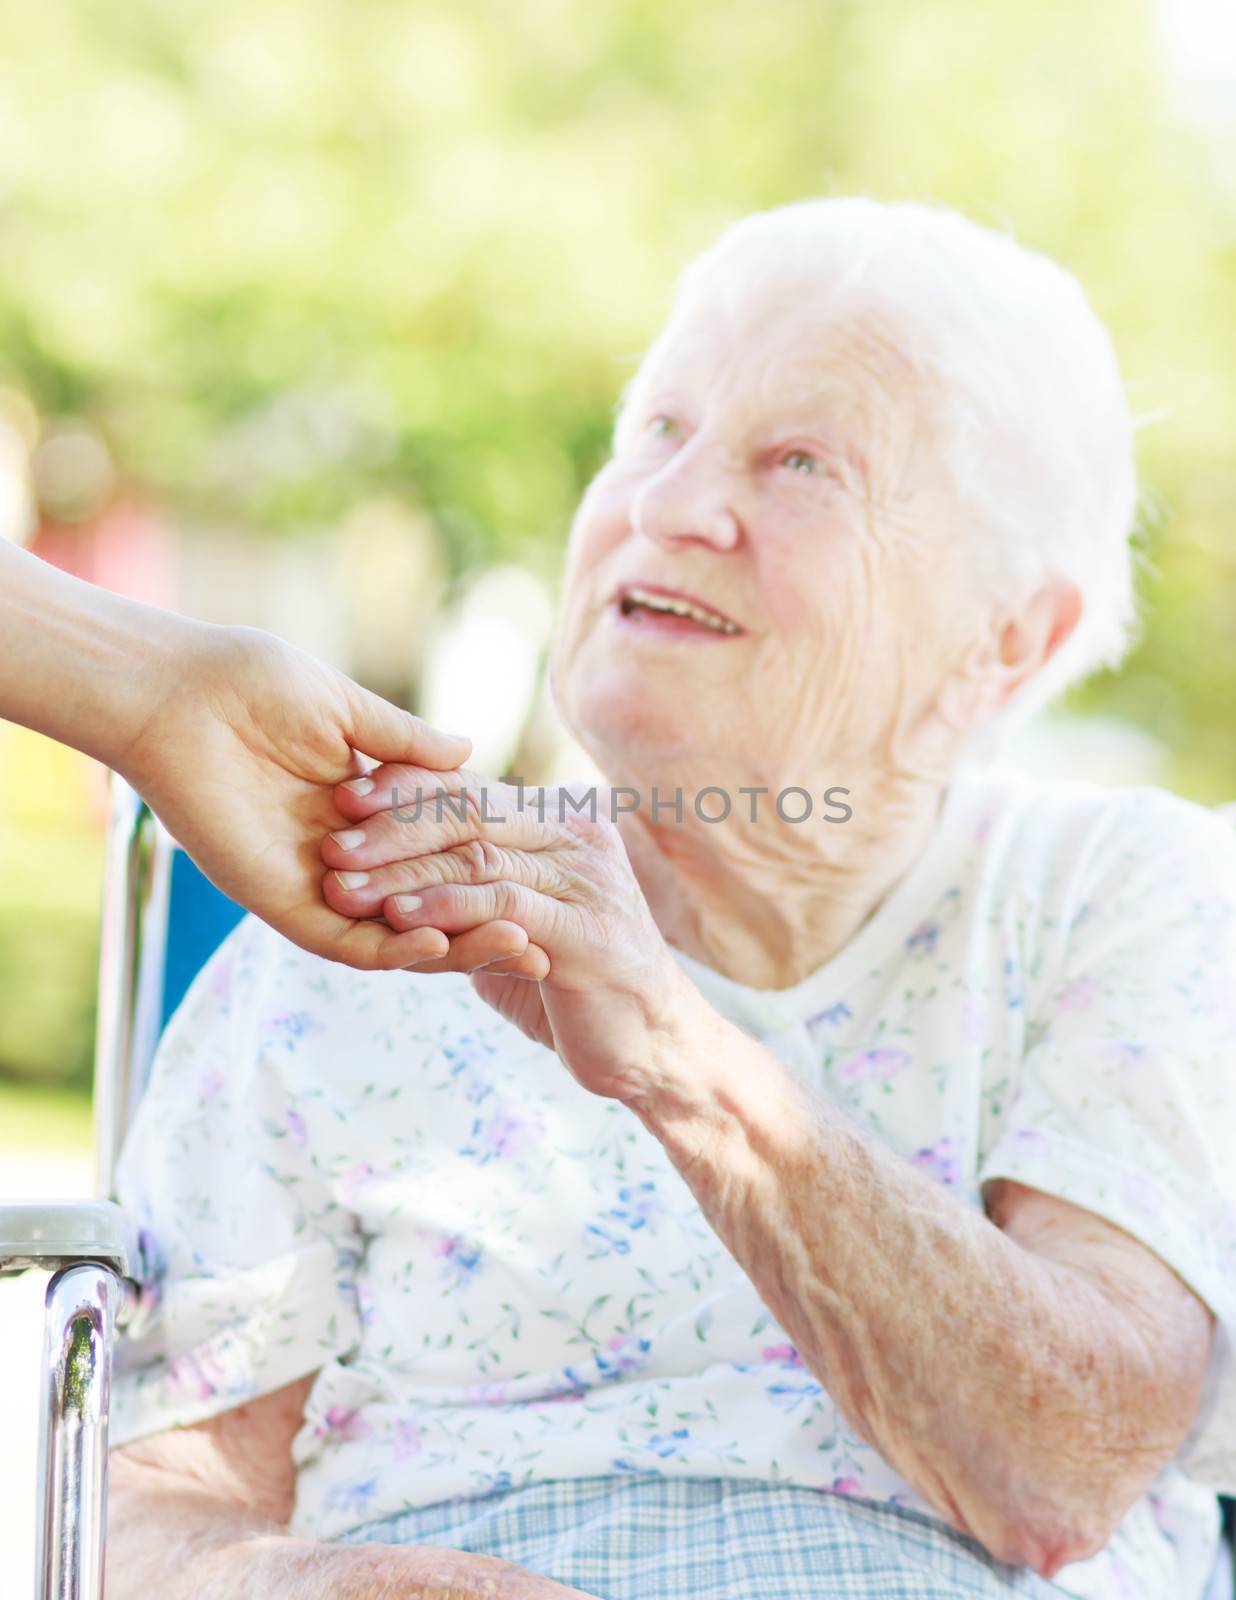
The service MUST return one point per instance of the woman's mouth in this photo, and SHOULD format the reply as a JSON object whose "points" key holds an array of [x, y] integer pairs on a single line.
{"points": [[662, 611]]}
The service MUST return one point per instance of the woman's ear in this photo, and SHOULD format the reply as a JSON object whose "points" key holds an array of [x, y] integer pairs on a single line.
{"points": [[1029, 639], [1011, 648]]}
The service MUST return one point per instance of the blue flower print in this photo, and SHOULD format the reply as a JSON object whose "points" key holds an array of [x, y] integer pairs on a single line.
{"points": [[637, 1204], [924, 939], [287, 1028], [840, 1012], [461, 1259]]}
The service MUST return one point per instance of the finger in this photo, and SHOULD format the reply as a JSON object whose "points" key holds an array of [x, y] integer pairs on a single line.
{"points": [[533, 965], [412, 832], [399, 783], [492, 941], [467, 954], [361, 893], [370, 946], [388, 733], [409, 810], [456, 907], [428, 821]]}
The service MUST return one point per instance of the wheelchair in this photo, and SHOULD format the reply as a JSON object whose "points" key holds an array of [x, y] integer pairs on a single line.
{"points": [[162, 920]]}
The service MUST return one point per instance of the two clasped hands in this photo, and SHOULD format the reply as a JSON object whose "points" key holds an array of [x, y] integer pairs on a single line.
{"points": [[254, 755], [534, 898]]}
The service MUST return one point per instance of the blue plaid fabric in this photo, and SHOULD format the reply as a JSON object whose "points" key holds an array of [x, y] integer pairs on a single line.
{"points": [[648, 1538]]}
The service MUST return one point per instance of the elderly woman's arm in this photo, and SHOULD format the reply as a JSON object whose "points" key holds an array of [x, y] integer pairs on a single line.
{"points": [[202, 1512], [1029, 1374]]}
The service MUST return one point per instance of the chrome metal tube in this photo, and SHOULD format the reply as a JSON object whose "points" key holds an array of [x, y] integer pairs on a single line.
{"points": [[131, 953], [79, 1326]]}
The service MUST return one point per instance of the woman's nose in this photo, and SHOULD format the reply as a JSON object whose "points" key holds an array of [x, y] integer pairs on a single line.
{"points": [[685, 504]]}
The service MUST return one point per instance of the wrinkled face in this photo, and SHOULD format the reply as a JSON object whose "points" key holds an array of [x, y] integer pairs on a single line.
{"points": [[774, 479]]}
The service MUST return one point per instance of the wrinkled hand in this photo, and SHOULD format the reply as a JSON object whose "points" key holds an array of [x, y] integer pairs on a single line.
{"points": [[597, 975], [238, 757]]}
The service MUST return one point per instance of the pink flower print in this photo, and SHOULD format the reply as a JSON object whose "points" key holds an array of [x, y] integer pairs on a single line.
{"points": [[486, 1394], [199, 1377], [286, 1028], [407, 1440], [297, 1130], [506, 1132], [354, 1181], [875, 1066], [940, 1161], [784, 1354], [343, 1424], [1078, 995], [221, 982], [210, 1086], [1030, 1141], [461, 1259], [983, 829], [846, 1486], [632, 1356]]}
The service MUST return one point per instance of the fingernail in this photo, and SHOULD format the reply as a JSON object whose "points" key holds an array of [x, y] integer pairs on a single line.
{"points": [[359, 786], [349, 838], [353, 880], [407, 902]]}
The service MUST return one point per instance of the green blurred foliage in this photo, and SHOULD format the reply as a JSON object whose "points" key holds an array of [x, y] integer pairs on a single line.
{"points": [[51, 867], [285, 253], [289, 254]]}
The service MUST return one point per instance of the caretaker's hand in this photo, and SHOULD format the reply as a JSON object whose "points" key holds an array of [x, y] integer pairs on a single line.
{"points": [[563, 876], [234, 738]]}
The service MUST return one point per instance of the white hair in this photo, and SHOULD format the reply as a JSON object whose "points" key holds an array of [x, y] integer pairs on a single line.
{"points": [[1031, 411]]}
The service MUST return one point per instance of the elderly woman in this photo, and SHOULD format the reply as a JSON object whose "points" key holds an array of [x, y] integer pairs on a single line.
{"points": [[831, 1194]]}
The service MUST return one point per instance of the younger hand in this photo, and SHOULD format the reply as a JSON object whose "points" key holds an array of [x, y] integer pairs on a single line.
{"points": [[238, 756]]}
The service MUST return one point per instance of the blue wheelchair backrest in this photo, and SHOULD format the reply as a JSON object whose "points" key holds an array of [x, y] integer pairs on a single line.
{"points": [[199, 919]]}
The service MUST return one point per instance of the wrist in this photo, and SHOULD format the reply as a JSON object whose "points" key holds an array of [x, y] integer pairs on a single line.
{"points": [[676, 1050], [164, 654]]}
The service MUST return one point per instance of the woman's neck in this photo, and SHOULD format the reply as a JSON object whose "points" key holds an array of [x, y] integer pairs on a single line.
{"points": [[765, 902]]}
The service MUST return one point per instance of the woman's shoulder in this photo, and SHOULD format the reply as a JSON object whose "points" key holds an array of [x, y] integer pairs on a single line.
{"points": [[1077, 825]]}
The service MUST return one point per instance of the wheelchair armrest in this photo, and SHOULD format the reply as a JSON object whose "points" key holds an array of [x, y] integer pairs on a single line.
{"points": [[55, 1234]]}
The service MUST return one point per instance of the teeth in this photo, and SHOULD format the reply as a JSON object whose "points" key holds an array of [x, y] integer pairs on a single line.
{"points": [[677, 608]]}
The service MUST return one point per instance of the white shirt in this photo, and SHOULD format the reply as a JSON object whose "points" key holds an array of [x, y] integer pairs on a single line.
{"points": [[501, 1278]]}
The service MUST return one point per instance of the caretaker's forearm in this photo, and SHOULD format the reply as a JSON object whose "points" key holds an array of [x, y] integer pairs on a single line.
{"points": [[1002, 1385], [77, 662]]}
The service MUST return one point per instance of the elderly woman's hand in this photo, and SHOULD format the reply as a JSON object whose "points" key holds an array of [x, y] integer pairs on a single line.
{"points": [[485, 853]]}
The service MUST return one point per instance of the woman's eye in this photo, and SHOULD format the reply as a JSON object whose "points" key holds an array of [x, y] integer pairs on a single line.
{"points": [[661, 426], [802, 461]]}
